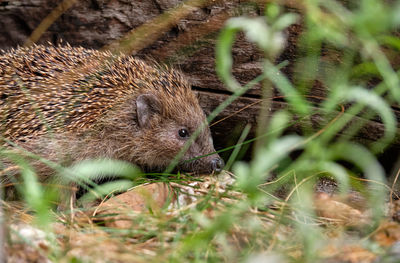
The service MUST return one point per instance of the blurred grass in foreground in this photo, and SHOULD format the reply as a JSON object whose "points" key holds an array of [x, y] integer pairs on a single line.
{"points": [[248, 220]]}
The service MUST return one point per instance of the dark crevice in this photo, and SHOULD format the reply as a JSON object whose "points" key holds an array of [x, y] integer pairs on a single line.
{"points": [[158, 6], [95, 4], [22, 25], [224, 92], [314, 101], [228, 93]]}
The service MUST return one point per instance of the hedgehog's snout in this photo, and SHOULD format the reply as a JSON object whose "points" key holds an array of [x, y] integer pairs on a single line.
{"points": [[209, 164], [217, 164]]}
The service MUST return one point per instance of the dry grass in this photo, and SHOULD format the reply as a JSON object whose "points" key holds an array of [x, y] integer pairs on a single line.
{"points": [[203, 220]]}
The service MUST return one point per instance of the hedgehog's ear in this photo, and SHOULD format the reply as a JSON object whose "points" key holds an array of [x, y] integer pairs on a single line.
{"points": [[147, 105]]}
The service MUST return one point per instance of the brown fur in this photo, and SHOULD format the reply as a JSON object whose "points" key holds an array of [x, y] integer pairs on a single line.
{"points": [[68, 104]]}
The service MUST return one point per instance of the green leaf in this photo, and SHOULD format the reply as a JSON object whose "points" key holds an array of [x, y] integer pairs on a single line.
{"points": [[375, 102], [105, 189], [270, 40], [299, 104], [96, 169], [270, 156], [362, 158]]}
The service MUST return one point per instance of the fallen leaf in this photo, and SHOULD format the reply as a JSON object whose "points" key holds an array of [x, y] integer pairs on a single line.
{"points": [[148, 197], [387, 234], [338, 212]]}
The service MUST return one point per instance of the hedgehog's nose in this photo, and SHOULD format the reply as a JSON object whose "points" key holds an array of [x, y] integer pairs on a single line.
{"points": [[217, 164]]}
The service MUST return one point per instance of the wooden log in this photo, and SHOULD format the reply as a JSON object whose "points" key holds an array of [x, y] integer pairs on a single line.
{"points": [[187, 44], [238, 114]]}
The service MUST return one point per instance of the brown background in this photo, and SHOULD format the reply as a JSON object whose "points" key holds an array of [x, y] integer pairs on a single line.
{"points": [[187, 42]]}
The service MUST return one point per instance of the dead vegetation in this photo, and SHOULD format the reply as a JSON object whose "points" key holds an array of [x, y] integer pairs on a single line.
{"points": [[204, 220]]}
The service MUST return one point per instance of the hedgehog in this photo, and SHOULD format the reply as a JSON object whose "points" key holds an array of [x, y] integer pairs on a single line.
{"points": [[68, 104]]}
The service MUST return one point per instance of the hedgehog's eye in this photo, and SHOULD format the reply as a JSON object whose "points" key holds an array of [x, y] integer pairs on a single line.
{"points": [[183, 133]]}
